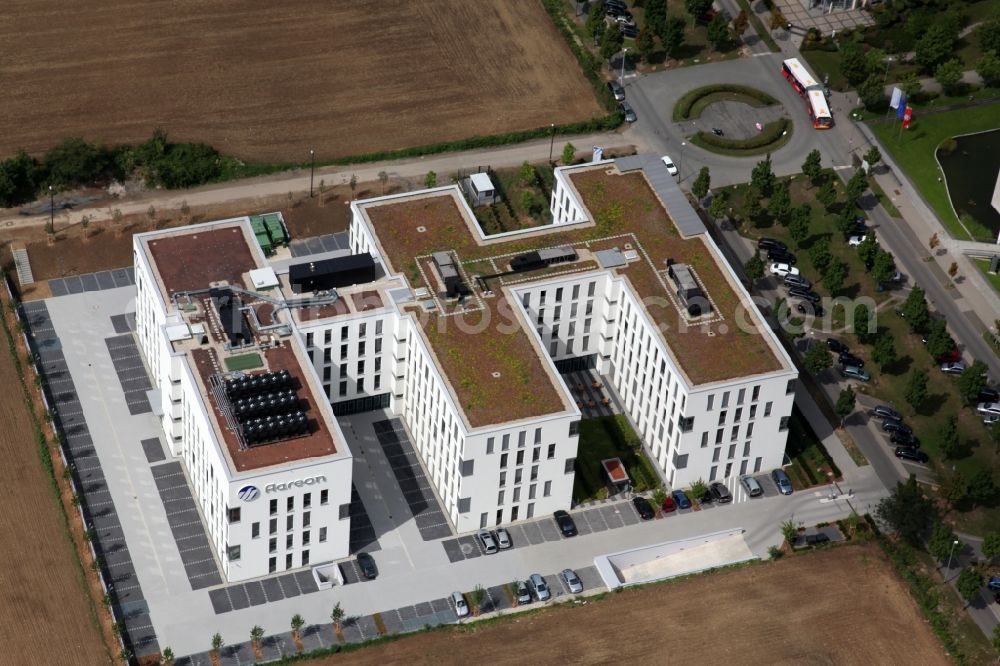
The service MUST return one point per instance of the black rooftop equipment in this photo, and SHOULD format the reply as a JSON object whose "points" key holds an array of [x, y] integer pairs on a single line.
{"points": [[453, 283], [228, 305], [530, 261], [328, 274]]}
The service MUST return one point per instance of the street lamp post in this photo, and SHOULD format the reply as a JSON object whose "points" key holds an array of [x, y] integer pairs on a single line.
{"points": [[680, 163], [885, 79], [52, 212], [950, 552], [621, 77], [552, 141], [312, 170]]}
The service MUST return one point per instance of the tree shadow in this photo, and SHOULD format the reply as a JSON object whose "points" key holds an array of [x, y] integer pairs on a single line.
{"points": [[900, 366], [932, 404]]}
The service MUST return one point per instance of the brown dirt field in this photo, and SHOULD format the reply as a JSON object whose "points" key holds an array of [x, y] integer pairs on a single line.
{"points": [[268, 81], [841, 606], [44, 616]]}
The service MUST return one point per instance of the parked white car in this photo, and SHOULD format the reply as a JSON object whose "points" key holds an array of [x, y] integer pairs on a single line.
{"points": [[855, 241], [988, 408], [461, 608], [783, 270], [669, 163]]}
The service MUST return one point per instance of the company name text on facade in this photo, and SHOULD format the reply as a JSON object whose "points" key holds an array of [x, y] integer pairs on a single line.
{"points": [[298, 483]]}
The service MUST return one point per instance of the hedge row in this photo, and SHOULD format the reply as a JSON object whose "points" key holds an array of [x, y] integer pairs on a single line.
{"points": [[682, 110], [771, 133], [590, 65]]}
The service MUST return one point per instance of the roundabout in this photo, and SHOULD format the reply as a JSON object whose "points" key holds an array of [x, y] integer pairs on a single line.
{"points": [[740, 120]]}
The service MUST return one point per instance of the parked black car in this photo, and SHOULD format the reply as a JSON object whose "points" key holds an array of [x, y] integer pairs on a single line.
{"points": [[643, 507], [797, 281], [720, 493], [903, 438], [837, 346], [910, 453], [988, 395], [851, 359], [367, 566], [629, 30], [565, 523], [808, 294], [781, 256], [814, 309], [892, 425], [816, 539], [771, 244], [616, 90]]}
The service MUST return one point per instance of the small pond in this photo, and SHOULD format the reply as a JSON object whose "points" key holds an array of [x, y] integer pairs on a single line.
{"points": [[971, 171]]}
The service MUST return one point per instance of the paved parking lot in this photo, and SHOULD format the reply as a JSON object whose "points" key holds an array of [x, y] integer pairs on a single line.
{"points": [[417, 491], [131, 372]]}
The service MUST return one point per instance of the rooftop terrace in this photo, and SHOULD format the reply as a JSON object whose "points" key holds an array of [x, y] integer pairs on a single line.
{"points": [[623, 210]]}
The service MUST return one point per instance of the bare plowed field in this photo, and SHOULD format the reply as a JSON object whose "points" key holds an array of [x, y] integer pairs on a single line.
{"points": [[44, 615], [268, 81], [843, 606]]}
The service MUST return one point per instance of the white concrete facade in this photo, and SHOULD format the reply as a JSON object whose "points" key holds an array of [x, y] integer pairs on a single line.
{"points": [[275, 518]]}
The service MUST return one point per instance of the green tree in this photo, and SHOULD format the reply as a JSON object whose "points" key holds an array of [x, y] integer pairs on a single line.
{"points": [[798, 227], [947, 437], [720, 202], [845, 403], [915, 310], [820, 254], [910, 84], [856, 187], [884, 268], [864, 325], [754, 268], [968, 584], [698, 489], [256, 633], [656, 15], [751, 206], [981, 487], [845, 222], [611, 43], [789, 531], [853, 64], [430, 180], [935, 45], [595, 21], [167, 657], [872, 93], [478, 597], [19, 178], [949, 75], [988, 67], [916, 388], [817, 358], [941, 542], [762, 177], [526, 174], [991, 545], [75, 162], [780, 205], [530, 202], [988, 35], [217, 642], [697, 8], [718, 32], [672, 36], [875, 59], [938, 340], [827, 194], [907, 511], [337, 616], [811, 166], [873, 156], [972, 381], [297, 622], [868, 249], [835, 275], [568, 153], [700, 186], [884, 351], [645, 43]]}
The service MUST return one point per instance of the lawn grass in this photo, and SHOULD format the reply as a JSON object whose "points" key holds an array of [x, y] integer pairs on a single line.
{"points": [[888, 384], [826, 63], [984, 267], [243, 362], [914, 151], [811, 463], [609, 437]]}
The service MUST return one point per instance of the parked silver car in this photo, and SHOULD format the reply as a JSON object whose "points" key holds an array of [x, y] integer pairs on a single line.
{"points": [[461, 608], [753, 487], [572, 581], [503, 538], [523, 595], [539, 587], [489, 544]]}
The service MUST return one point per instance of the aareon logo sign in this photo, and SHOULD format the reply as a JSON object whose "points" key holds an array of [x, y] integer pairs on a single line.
{"points": [[249, 493], [298, 483]]}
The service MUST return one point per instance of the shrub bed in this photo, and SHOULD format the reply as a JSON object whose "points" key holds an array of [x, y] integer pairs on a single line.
{"points": [[683, 108], [769, 139]]}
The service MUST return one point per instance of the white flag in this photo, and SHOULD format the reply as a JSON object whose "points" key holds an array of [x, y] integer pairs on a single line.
{"points": [[897, 95]]}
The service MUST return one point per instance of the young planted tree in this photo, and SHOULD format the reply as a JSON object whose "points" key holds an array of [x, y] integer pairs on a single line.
{"points": [[991, 545], [167, 657], [947, 438], [698, 489], [834, 276], [864, 326], [798, 227], [353, 183], [762, 177], [856, 187], [915, 310], [217, 644], [430, 180], [672, 36], [701, 183], [718, 208], [972, 381], [297, 623], [941, 542], [827, 194], [789, 531], [568, 153], [697, 8], [884, 351], [741, 23], [907, 511], [916, 389], [611, 43], [968, 584], [884, 268], [751, 207], [817, 358], [939, 342], [845, 403], [383, 178], [872, 92], [526, 174], [256, 633], [873, 156], [337, 616], [853, 63], [811, 166], [718, 32], [868, 250], [478, 598], [645, 43], [780, 205], [754, 268], [820, 254]]}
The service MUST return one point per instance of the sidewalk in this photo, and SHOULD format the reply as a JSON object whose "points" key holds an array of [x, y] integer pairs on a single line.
{"points": [[298, 180]]}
